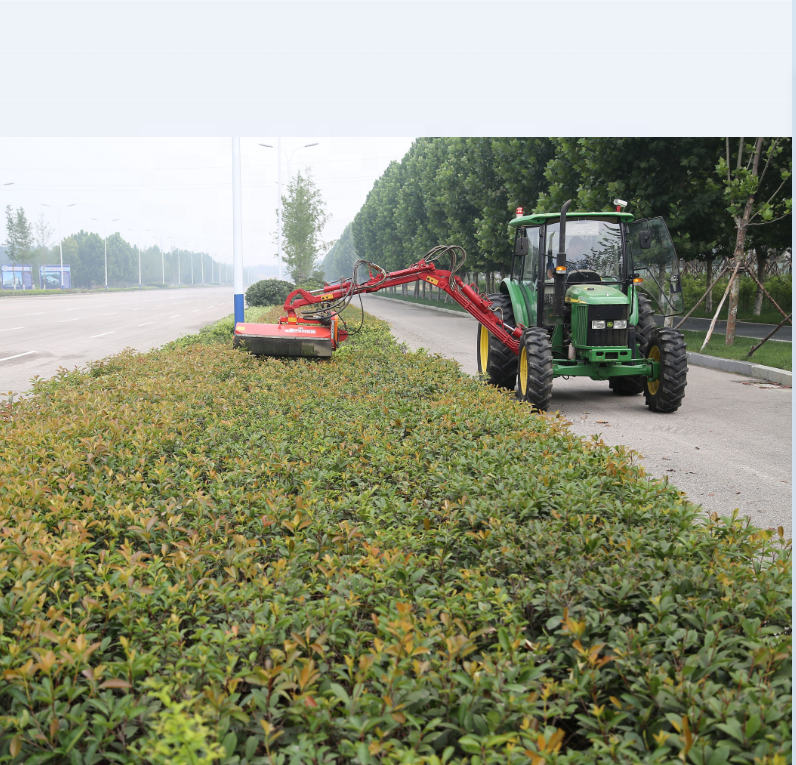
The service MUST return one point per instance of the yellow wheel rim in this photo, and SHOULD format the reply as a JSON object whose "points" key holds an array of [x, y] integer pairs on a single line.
{"points": [[483, 348], [655, 355], [523, 371]]}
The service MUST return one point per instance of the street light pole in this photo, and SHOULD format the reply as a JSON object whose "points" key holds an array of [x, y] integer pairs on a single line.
{"points": [[60, 240], [106, 250]]}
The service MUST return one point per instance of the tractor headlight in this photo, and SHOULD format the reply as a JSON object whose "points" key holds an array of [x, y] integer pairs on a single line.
{"points": [[620, 324], [600, 324]]}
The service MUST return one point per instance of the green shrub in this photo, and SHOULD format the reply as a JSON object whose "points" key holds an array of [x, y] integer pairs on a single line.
{"points": [[268, 292], [159, 285], [371, 559], [311, 284], [780, 288]]}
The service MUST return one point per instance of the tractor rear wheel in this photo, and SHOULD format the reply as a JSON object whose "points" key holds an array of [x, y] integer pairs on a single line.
{"points": [[535, 368], [666, 393], [497, 365], [635, 384]]}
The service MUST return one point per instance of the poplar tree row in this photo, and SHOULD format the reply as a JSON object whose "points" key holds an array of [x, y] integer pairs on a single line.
{"points": [[465, 190]]}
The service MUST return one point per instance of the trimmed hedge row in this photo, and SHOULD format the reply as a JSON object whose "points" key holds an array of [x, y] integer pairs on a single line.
{"points": [[207, 557]]}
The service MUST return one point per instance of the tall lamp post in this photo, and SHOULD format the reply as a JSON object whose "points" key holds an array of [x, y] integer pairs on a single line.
{"points": [[60, 240], [279, 153], [106, 249], [138, 247]]}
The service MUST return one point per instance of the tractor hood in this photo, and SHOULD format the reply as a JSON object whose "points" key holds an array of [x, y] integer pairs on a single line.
{"points": [[596, 294]]}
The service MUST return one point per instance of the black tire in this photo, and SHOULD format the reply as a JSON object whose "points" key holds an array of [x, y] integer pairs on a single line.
{"points": [[535, 368], [666, 393], [499, 368], [633, 385]]}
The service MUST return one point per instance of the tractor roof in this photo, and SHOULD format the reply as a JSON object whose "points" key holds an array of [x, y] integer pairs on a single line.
{"points": [[538, 218]]}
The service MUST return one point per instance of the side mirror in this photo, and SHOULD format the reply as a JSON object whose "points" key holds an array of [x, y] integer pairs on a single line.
{"points": [[521, 245], [644, 240], [674, 281]]}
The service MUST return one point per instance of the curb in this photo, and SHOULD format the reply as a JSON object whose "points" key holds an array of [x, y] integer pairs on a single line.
{"points": [[423, 305], [746, 368]]}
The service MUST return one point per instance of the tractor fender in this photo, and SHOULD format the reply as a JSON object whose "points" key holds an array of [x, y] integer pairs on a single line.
{"points": [[520, 302]]}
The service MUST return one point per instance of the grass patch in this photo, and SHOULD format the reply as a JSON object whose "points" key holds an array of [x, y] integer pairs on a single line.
{"points": [[215, 558], [768, 315], [772, 354]]}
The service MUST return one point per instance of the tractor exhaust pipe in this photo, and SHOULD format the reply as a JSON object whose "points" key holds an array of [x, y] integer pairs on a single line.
{"points": [[561, 261]]}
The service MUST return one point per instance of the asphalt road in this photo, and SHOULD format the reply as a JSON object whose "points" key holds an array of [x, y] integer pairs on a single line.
{"points": [[742, 328], [39, 334], [727, 447]]}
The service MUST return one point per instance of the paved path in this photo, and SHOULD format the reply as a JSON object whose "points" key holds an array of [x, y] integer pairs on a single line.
{"points": [[39, 334], [742, 328], [728, 446]]}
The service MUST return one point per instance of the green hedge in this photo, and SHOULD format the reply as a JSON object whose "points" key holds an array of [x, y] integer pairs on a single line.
{"points": [[779, 287], [209, 557], [268, 292]]}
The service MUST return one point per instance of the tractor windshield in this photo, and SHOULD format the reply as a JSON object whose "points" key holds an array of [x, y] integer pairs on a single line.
{"points": [[592, 246], [655, 261]]}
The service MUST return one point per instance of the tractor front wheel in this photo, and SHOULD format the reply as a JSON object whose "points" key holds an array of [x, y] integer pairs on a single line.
{"points": [[497, 365], [535, 368], [666, 393]]}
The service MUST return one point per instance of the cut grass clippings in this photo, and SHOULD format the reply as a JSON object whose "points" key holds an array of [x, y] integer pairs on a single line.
{"points": [[209, 557], [771, 354]]}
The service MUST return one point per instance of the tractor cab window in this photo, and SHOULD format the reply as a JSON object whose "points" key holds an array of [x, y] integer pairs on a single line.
{"points": [[530, 272], [593, 247], [655, 261]]}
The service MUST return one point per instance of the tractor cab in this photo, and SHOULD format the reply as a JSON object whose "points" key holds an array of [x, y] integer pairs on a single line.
{"points": [[609, 249]]}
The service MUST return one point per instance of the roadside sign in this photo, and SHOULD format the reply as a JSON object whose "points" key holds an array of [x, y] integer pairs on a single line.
{"points": [[51, 277], [15, 277]]}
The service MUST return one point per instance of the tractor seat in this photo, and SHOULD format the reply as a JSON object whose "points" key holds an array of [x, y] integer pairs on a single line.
{"points": [[583, 276]]}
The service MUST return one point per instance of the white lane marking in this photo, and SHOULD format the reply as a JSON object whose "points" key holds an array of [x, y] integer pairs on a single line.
{"points": [[138, 309], [113, 313], [61, 321], [71, 309], [38, 313], [174, 317], [104, 333], [196, 311], [27, 353], [11, 329], [145, 323]]}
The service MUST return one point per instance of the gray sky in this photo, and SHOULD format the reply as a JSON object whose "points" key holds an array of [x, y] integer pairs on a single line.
{"points": [[182, 187]]}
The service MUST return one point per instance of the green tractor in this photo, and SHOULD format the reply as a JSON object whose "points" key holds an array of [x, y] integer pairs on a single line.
{"points": [[583, 286]]}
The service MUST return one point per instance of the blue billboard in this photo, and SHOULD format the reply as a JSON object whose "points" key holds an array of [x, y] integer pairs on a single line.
{"points": [[55, 277], [16, 277]]}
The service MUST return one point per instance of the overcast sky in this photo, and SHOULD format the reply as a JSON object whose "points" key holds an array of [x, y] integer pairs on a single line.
{"points": [[182, 187]]}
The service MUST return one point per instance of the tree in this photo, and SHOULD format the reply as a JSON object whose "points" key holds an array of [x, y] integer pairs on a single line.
{"points": [[43, 231], [671, 177], [743, 187], [19, 236], [303, 218], [339, 261]]}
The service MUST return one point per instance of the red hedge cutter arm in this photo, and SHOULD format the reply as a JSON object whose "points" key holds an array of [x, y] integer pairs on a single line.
{"points": [[317, 330]]}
